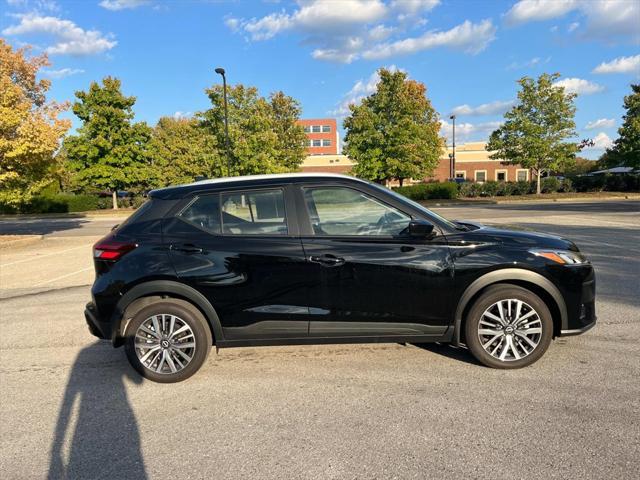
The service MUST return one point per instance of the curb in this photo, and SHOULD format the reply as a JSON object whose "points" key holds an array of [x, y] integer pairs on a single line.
{"points": [[20, 242]]}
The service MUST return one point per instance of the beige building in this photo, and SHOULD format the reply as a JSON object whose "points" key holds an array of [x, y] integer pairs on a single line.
{"points": [[472, 163]]}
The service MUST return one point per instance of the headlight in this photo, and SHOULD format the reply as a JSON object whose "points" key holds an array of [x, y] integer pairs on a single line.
{"points": [[565, 257]]}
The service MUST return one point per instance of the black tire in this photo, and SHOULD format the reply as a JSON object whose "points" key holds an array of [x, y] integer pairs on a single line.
{"points": [[518, 345], [185, 313]]}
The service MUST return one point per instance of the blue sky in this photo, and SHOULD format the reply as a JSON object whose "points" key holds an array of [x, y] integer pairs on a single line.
{"points": [[325, 53]]}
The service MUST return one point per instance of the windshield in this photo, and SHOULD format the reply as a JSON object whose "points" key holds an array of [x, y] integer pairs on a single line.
{"points": [[416, 205]]}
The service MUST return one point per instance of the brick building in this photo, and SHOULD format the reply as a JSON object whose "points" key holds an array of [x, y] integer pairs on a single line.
{"points": [[472, 163], [322, 136]]}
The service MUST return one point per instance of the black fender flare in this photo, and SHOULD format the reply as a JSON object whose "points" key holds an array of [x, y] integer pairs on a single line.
{"points": [[504, 276], [168, 288]]}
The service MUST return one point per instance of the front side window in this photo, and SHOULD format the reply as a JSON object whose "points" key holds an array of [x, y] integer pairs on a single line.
{"points": [[340, 211], [259, 212], [317, 143], [326, 128], [481, 175], [315, 128], [326, 143], [522, 176]]}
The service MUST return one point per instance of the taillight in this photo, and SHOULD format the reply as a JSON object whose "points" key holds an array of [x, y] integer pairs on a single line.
{"points": [[109, 249]]}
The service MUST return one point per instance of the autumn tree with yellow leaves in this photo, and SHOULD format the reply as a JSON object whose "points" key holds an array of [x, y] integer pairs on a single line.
{"points": [[30, 130]]}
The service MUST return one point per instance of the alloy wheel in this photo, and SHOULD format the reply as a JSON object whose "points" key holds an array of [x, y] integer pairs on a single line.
{"points": [[165, 343], [510, 330]]}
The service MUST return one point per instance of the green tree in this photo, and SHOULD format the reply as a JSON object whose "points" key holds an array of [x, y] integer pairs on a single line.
{"points": [[536, 130], [264, 136], [626, 148], [110, 151], [30, 130], [181, 151], [394, 132]]}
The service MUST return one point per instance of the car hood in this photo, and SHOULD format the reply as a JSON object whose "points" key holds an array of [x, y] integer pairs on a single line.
{"points": [[514, 235]]}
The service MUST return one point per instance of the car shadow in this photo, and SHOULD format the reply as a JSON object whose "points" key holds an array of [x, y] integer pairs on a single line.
{"points": [[461, 354], [96, 434], [26, 225]]}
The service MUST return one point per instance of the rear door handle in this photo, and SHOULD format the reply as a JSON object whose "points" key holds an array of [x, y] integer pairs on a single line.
{"points": [[186, 248], [327, 260]]}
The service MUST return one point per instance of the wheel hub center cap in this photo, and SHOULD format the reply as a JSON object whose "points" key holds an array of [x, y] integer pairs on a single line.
{"points": [[508, 330], [164, 343]]}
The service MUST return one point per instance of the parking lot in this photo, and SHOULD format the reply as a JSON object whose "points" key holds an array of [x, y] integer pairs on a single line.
{"points": [[73, 408]]}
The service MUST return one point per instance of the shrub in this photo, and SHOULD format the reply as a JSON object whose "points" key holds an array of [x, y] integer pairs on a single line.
{"points": [[523, 187], [550, 185], [489, 189], [60, 203], [429, 191], [566, 186]]}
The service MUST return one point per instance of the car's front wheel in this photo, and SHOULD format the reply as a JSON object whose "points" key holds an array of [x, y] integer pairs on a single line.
{"points": [[168, 341], [508, 327]]}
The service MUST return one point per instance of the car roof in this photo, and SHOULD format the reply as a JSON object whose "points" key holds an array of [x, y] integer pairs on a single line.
{"points": [[179, 191]]}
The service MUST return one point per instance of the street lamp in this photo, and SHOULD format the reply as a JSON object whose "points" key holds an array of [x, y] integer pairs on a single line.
{"points": [[220, 71], [452, 163]]}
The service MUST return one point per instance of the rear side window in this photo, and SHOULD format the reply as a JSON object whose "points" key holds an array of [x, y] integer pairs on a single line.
{"points": [[204, 212], [257, 212]]}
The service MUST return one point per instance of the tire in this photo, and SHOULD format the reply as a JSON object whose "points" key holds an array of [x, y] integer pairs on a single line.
{"points": [[167, 357], [515, 341]]}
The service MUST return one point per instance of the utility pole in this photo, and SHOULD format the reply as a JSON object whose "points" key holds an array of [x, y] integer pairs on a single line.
{"points": [[220, 71]]}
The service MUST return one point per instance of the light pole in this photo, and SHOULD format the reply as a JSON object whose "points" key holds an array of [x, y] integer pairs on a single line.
{"points": [[452, 164], [220, 71]]}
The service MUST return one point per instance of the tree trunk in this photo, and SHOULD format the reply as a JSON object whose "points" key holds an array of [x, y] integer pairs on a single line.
{"points": [[114, 197], [538, 184], [400, 180]]}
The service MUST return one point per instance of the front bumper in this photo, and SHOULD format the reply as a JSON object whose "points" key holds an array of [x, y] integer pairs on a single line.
{"points": [[97, 327], [584, 317]]}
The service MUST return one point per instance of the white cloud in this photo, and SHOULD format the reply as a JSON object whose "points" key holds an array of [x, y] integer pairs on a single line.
{"points": [[180, 115], [529, 63], [468, 131], [536, 10], [572, 26], [346, 30], [491, 108], [600, 123], [69, 38], [122, 4], [414, 6], [601, 141], [35, 5], [620, 65], [361, 89], [579, 86], [605, 19], [470, 37], [61, 73]]}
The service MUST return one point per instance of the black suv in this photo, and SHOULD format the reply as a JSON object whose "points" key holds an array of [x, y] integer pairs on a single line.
{"points": [[307, 259]]}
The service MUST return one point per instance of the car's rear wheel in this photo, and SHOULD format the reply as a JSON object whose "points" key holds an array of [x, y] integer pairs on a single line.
{"points": [[168, 341], [508, 327]]}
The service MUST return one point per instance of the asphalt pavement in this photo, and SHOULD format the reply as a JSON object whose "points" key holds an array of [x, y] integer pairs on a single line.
{"points": [[71, 407]]}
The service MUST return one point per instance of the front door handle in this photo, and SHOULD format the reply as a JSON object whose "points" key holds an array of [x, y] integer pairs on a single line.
{"points": [[186, 248], [327, 260]]}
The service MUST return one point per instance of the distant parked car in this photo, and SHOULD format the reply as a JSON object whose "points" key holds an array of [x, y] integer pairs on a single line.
{"points": [[306, 259], [120, 193]]}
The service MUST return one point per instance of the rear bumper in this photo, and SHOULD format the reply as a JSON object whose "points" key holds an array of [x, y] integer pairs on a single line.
{"points": [[97, 327]]}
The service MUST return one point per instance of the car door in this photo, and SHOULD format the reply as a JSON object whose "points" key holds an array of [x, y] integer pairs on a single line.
{"points": [[369, 277], [241, 250]]}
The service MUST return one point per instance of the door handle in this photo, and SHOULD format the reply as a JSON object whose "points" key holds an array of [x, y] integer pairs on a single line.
{"points": [[327, 260], [186, 248]]}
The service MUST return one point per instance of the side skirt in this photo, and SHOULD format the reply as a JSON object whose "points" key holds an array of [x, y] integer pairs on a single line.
{"points": [[446, 337]]}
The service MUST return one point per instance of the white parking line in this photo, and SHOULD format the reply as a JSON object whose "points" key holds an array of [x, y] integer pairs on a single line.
{"points": [[63, 276], [38, 257]]}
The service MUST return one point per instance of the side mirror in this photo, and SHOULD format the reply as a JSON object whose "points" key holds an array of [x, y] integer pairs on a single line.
{"points": [[420, 229]]}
